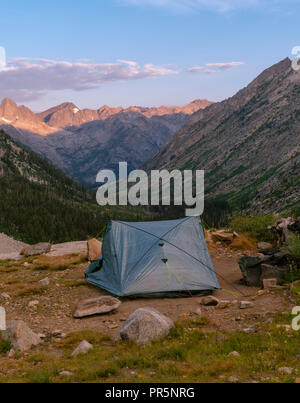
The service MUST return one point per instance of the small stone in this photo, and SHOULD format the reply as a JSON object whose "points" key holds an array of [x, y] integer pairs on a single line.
{"points": [[210, 301], [45, 282], [285, 370], [269, 283], [234, 354], [83, 348], [264, 247], [66, 373], [33, 304], [198, 311], [286, 327], [246, 304], [5, 295], [56, 333], [233, 379], [26, 264], [11, 353], [224, 304]]}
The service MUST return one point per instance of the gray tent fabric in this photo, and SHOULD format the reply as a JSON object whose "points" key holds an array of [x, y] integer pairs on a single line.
{"points": [[154, 257]]}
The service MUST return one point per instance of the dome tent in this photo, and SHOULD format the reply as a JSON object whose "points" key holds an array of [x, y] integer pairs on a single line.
{"points": [[159, 257]]}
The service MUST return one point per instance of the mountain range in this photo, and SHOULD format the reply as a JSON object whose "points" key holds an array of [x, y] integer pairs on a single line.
{"points": [[38, 203], [248, 145], [82, 142]]}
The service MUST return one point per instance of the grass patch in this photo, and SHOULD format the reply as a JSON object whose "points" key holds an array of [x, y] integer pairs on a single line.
{"points": [[256, 227]]}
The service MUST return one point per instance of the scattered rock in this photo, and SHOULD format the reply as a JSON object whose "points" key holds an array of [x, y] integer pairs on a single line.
{"points": [[97, 306], [264, 247], [11, 353], [56, 333], [285, 370], [45, 282], [146, 325], [210, 301], [233, 379], [224, 304], [5, 295], [198, 311], [20, 335], [223, 237], [83, 348], [286, 327], [274, 272], [33, 304], [35, 250], [94, 250], [234, 354], [246, 304], [269, 283], [66, 373]]}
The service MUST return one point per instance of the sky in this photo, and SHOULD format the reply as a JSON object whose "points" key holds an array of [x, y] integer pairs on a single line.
{"points": [[139, 52]]}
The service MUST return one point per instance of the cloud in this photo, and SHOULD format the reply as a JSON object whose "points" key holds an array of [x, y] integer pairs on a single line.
{"points": [[214, 5], [211, 68], [27, 79]]}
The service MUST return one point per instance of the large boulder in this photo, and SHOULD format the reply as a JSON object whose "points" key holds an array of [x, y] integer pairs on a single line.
{"points": [[35, 250], [94, 249], [146, 325], [97, 306], [274, 272], [251, 269], [20, 335]]}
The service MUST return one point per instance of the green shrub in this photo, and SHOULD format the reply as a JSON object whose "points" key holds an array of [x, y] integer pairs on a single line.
{"points": [[256, 227], [293, 246], [5, 346]]}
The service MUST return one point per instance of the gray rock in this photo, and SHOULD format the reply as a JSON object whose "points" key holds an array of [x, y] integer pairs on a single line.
{"points": [[272, 272], [210, 301], [246, 304], [234, 354], [264, 247], [285, 370], [97, 306], [146, 325], [44, 282], [35, 250], [269, 283], [66, 373], [20, 335], [251, 269], [83, 348]]}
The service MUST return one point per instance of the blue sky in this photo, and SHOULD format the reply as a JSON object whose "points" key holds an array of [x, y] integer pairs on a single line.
{"points": [[140, 52]]}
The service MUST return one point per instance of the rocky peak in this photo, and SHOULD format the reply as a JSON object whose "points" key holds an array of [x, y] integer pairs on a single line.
{"points": [[8, 110]]}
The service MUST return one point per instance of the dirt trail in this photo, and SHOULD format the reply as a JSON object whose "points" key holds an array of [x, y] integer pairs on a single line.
{"points": [[58, 301]]}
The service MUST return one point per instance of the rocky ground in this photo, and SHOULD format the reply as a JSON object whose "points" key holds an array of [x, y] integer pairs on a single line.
{"points": [[45, 291]]}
